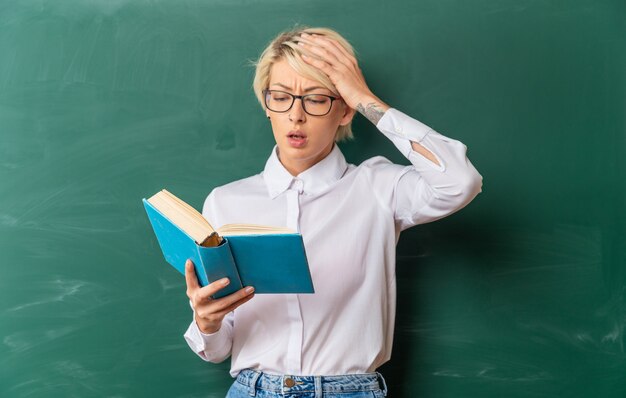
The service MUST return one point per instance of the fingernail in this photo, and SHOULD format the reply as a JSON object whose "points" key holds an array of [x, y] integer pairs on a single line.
{"points": [[304, 34], [301, 43], [225, 281], [249, 289], [187, 263]]}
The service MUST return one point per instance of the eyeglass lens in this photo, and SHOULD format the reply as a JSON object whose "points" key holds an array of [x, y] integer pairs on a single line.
{"points": [[314, 104]]}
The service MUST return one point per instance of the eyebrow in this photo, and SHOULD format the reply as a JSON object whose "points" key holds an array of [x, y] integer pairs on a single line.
{"points": [[306, 90]]}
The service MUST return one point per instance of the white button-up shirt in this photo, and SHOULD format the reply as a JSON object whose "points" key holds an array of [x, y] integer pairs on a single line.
{"points": [[350, 218]]}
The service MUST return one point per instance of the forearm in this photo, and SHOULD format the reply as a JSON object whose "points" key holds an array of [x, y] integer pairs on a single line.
{"points": [[427, 190], [212, 347], [373, 109]]}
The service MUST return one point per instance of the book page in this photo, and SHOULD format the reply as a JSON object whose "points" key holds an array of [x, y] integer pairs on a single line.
{"points": [[252, 229], [186, 218]]}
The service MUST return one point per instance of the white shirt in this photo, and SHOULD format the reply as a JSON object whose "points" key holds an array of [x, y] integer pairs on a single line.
{"points": [[350, 218]]}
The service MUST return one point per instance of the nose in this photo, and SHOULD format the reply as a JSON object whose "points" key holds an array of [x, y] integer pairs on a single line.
{"points": [[296, 113]]}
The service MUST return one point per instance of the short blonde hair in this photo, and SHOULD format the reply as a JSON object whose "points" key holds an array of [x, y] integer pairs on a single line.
{"points": [[285, 46]]}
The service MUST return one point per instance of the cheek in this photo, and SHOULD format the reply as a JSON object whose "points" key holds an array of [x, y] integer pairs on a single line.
{"points": [[330, 131], [338, 115], [276, 125]]}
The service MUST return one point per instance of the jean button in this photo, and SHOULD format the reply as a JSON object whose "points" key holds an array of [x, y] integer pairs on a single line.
{"points": [[289, 382]]}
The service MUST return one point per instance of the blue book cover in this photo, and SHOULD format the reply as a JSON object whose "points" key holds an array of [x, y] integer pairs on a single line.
{"points": [[272, 263]]}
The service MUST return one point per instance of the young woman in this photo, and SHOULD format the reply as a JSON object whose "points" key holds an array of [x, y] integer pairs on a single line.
{"points": [[329, 343]]}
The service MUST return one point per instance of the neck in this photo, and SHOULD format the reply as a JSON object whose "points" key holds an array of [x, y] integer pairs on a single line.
{"points": [[297, 166]]}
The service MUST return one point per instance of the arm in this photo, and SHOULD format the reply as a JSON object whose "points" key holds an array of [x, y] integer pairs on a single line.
{"points": [[441, 179], [210, 332], [211, 347], [342, 69], [374, 110]]}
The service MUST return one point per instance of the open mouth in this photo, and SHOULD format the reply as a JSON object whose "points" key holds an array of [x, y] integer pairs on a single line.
{"points": [[296, 140]]}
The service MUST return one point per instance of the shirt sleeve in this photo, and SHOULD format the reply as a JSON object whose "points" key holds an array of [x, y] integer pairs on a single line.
{"points": [[425, 191], [213, 347]]}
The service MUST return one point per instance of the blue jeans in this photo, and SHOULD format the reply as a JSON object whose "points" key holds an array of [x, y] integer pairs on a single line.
{"points": [[251, 383]]}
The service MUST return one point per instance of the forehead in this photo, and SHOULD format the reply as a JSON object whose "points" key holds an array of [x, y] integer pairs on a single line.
{"points": [[282, 72]]}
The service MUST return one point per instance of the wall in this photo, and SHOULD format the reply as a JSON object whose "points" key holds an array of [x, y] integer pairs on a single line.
{"points": [[103, 103]]}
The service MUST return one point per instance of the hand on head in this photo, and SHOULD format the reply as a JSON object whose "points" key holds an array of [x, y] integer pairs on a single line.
{"points": [[338, 64]]}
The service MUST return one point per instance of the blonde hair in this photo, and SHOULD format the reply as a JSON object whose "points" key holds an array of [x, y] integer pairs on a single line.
{"points": [[285, 46]]}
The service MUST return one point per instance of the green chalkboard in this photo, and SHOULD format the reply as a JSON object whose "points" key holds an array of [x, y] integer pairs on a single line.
{"points": [[102, 103]]}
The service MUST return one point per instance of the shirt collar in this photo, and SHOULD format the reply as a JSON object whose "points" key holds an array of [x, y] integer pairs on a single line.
{"points": [[311, 181]]}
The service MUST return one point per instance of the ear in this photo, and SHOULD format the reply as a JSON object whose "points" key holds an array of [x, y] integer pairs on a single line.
{"points": [[348, 114]]}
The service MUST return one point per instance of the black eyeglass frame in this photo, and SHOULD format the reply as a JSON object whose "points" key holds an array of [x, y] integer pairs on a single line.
{"points": [[293, 100]]}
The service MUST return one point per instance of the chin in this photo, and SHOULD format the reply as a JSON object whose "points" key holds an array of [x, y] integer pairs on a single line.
{"points": [[295, 152], [310, 150], [301, 153]]}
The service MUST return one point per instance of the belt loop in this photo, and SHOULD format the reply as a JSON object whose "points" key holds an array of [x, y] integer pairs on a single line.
{"points": [[384, 383], [252, 384], [319, 392]]}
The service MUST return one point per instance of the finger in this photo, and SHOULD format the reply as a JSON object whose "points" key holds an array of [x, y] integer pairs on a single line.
{"points": [[205, 293], [315, 59], [338, 49], [318, 63], [227, 301], [219, 307], [344, 51], [324, 48], [338, 46], [236, 304], [314, 50], [351, 58], [190, 277], [326, 51]]}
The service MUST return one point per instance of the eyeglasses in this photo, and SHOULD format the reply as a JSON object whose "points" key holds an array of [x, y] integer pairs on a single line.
{"points": [[313, 104]]}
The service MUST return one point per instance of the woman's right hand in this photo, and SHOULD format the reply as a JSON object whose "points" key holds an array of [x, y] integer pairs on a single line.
{"points": [[209, 312]]}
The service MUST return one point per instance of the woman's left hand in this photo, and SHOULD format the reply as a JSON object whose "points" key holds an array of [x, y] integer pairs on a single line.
{"points": [[342, 68]]}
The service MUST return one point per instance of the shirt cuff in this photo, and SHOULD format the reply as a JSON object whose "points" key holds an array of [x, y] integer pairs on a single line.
{"points": [[203, 343], [395, 124], [402, 129]]}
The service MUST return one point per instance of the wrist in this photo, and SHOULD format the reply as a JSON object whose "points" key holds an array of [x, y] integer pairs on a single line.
{"points": [[372, 108], [208, 328], [370, 100]]}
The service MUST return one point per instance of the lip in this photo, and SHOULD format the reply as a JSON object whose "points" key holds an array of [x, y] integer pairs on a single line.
{"points": [[296, 142], [297, 132]]}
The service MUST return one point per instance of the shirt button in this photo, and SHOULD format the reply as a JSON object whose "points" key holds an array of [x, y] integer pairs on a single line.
{"points": [[298, 184], [289, 382]]}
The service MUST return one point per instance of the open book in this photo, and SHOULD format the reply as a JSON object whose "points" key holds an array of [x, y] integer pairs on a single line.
{"points": [[272, 259]]}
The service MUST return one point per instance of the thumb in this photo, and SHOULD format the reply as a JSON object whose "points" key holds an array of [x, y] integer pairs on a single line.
{"points": [[190, 276]]}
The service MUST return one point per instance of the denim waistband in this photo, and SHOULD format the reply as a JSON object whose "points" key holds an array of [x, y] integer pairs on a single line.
{"points": [[313, 384]]}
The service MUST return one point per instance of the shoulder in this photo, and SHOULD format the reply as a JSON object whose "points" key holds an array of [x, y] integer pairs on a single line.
{"points": [[380, 166], [376, 161], [381, 176], [244, 187]]}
